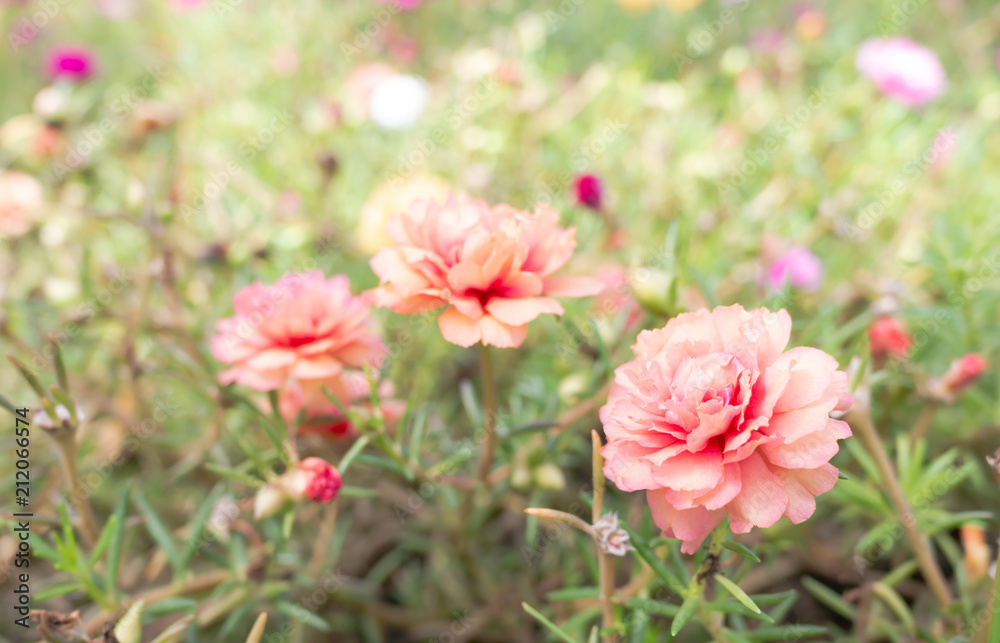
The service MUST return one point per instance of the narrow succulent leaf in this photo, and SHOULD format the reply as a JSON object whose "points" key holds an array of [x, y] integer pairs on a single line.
{"points": [[549, 625], [737, 593]]}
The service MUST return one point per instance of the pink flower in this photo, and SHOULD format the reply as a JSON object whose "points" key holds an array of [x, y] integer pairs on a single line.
{"points": [[20, 201], [588, 191], [888, 335], [797, 265], [714, 417], [902, 69], [305, 327], [75, 64], [490, 266], [617, 298], [315, 479], [323, 417], [961, 374]]}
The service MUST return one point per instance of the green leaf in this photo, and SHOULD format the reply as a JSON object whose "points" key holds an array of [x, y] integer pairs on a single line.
{"points": [[56, 591], [572, 593], [102, 541], [828, 597], [355, 449], [737, 593], [643, 551], [349, 491], [784, 633], [684, 614], [549, 625], [740, 549], [198, 525], [158, 531], [302, 615], [115, 545]]}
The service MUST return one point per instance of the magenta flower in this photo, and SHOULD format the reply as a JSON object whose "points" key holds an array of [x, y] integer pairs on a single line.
{"points": [[902, 69], [75, 64], [589, 192], [797, 265]]}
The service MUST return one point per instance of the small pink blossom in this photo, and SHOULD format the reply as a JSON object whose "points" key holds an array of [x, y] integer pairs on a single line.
{"points": [[71, 63], [304, 327], [20, 202], [490, 267], [714, 417], [902, 69], [798, 266]]}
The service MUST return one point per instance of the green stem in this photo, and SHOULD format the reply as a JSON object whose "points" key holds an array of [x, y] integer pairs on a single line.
{"points": [[489, 414], [702, 577], [860, 420], [489, 443], [993, 608]]}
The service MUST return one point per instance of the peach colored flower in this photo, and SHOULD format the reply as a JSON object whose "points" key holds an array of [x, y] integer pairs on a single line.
{"points": [[20, 200], [305, 327], [714, 417], [490, 266], [323, 417]]}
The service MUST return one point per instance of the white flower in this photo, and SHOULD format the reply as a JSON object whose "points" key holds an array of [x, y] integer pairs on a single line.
{"points": [[613, 539], [398, 101]]}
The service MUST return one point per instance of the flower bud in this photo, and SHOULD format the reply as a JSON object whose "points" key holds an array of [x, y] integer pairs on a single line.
{"points": [[315, 479], [612, 538], [589, 192], [269, 500], [961, 374], [977, 552], [549, 476], [888, 335]]}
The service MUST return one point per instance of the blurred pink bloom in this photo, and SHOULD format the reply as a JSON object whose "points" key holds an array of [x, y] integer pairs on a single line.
{"points": [[20, 201], [71, 63], [887, 335], [285, 60], [902, 69], [305, 327], [714, 417], [361, 84], [589, 191], [189, 5], [323, 417], [490, 266], [961, 374], [617, 298], [797, 265]]}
